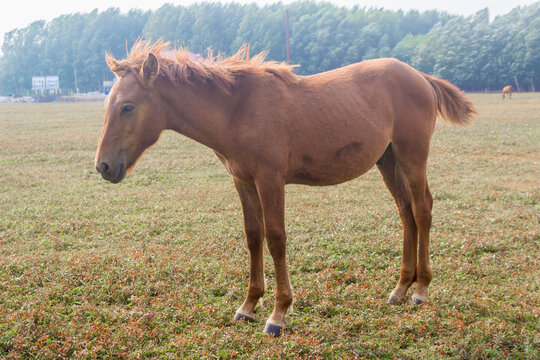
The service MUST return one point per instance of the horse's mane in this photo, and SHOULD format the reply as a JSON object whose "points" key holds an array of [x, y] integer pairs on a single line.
{"points": [[177, 65]]}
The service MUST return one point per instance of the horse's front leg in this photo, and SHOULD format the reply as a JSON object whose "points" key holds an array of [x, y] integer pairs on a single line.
{"points": [[271, 188], [253, 223]]}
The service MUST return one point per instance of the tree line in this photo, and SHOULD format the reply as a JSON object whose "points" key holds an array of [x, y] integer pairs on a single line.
{"points": [[473, 52]]}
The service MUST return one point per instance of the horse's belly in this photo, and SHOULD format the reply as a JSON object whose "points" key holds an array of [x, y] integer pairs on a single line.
{"points": [[321, 173]]}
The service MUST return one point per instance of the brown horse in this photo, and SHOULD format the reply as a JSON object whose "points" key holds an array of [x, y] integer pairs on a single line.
{"points": [[270, 127], [507, 90]]}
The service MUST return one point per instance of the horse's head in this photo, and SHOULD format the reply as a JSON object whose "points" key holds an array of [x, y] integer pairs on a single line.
{"points": [[133, 118]]}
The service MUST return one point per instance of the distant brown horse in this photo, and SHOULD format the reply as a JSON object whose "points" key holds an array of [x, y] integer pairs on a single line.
{"points": [[507, 90], [270, 127]]}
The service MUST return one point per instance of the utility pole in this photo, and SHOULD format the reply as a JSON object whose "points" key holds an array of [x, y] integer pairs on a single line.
{"points": [[287, 39], [75, 74]]}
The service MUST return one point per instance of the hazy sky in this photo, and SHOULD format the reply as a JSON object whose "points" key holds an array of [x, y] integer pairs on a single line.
{"points": [[20, 13]]}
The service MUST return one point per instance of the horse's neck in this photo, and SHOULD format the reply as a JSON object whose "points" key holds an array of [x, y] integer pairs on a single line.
{"points": [[198, 114]]}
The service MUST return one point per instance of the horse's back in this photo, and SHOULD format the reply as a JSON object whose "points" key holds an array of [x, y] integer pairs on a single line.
{"points": [[377, 94]]}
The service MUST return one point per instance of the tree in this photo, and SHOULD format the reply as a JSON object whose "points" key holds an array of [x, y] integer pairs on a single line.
{"points": [[472, 52]]}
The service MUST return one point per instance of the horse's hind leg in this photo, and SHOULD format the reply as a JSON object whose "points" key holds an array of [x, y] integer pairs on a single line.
{"points": [[422, 202], [413, 165], [398, 186]]}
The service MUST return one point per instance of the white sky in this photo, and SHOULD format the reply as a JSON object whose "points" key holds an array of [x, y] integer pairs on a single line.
{"points": [[20, 13]]}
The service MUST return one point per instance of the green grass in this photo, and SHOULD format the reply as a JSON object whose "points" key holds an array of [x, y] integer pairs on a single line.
{"points": [[155, 267]]}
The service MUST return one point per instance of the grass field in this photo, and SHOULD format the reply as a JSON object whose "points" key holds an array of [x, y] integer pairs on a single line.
{"points": [[155, 266]]}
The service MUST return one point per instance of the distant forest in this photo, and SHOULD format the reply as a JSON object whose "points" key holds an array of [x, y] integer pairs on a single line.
{"points": [[473, 52]]}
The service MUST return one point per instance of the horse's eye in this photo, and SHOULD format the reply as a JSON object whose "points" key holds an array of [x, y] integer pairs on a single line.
{"points": [[127, 109]]}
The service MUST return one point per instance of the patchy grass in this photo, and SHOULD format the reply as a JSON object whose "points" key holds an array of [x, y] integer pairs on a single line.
{"points": [[156, 266]]}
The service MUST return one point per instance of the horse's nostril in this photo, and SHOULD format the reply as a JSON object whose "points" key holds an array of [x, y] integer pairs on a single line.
{"points": [[103, 168]]}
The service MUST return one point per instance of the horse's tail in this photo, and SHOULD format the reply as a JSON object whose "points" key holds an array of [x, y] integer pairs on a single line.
{"points": [[452, 104]]}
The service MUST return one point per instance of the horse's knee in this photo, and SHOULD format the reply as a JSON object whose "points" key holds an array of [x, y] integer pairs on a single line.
{"points": [[277, 244], [254, 238]]}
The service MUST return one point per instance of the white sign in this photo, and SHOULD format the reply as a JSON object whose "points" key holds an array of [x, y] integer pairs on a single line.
{"points": [[45, 82], [52, 83], [38, 82]]}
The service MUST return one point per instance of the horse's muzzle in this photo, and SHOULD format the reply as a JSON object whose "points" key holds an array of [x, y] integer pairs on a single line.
{"points": [[114, 174]]}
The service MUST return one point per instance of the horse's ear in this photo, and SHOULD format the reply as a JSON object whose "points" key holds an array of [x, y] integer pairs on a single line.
{"points": [[150, 68], [115, 66]]}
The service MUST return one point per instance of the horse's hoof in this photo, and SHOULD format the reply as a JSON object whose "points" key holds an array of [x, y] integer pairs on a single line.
{"points": [[418, 299], [415, 301], [274, 330], [242, 317], [394, 300]]}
